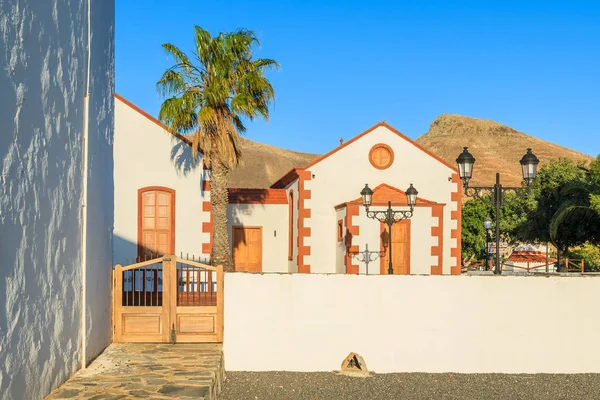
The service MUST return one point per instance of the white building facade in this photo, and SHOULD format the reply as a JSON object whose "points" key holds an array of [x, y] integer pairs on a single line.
{"points": [[310, 221], [56, 190]]}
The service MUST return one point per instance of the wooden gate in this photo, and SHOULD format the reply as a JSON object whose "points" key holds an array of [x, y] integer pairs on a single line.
{"points": [[168, 300]]}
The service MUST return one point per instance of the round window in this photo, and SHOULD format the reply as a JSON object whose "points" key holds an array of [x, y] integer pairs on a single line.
{"points": [[381, 156]]}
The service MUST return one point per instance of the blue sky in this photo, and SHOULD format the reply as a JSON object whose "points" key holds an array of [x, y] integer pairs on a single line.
{"points": [[345, 65]]}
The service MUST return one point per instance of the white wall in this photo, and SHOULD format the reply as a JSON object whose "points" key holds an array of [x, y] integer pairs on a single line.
{"points": [[273, 218], [408, 323], [147, 155], [42, 81], [340, 177]]}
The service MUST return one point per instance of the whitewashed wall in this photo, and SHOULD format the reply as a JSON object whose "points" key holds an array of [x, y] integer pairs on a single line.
{"points": [[147, 155], [43, 70], [340, 177], [408, 323], [273, 218]]}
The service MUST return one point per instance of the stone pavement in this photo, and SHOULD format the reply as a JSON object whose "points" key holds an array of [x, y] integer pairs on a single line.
{"points": [[149, 371]]}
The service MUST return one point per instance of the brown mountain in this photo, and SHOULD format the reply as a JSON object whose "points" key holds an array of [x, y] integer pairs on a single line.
{"points": [[496, 147], [263, 164]]}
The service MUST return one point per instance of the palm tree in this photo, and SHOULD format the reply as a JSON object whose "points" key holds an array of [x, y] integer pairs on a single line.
{"points": [[582, 209], [209, 96]]}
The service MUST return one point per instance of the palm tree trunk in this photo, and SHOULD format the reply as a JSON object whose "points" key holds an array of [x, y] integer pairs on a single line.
{"points": [[221, 254]]}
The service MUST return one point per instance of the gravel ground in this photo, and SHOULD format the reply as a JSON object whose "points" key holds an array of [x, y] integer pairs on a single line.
{"points": [[326, 386]]}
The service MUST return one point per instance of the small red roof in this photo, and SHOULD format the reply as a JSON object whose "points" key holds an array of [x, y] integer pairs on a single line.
{"points": [[523, 256], [257, 196]]}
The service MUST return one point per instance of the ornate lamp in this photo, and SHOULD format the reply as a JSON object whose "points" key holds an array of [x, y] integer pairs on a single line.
{"points": [[465, 163], [529, 164], [487, 223], [367, 196], [411, 196]]}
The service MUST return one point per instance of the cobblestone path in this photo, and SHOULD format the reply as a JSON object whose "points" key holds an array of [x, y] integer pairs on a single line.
{"points": [[149, 371]]}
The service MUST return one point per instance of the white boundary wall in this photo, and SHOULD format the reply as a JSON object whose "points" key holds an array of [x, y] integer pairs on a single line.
{"points": [[464, 324]]}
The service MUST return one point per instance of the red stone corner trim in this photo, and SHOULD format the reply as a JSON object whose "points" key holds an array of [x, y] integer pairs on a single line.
{"points": [[437, 231], [351, 231], [375, 153], [207, 227], [455, 252], [303, 214]]}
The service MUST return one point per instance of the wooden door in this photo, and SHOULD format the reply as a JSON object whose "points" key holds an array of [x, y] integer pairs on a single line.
{"points": [[247, 248], [156, 225], [400, 248]]}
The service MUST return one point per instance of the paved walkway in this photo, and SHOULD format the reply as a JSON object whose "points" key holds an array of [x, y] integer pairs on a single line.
{"points": [[149, 371]]}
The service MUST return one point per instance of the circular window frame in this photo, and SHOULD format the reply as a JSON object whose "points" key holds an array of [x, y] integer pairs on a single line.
{"points": [[376, 147]]}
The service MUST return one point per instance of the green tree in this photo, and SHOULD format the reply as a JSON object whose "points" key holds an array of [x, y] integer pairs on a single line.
{"points": [[582, 204], [512, 215], [209, 95], [550, 198], [473, 233]]}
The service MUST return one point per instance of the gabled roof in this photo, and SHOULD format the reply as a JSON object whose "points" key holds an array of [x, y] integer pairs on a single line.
{"points": [[384, 193], [257, 196], [392, 129], [156, 121], [288, 178]]}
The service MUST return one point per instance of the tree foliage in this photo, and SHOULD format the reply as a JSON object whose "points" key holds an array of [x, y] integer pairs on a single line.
{"points": [[582, 207], [563, 208]]}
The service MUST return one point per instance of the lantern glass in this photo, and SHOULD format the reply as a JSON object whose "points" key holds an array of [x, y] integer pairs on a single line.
{"points": [[529, 164], [465, 162], [487, 223], [411, 195], [367, 196]]}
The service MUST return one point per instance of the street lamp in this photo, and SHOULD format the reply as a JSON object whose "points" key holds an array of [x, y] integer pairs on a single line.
{"points": [[487, 224], [466, 161], [389, 216]]}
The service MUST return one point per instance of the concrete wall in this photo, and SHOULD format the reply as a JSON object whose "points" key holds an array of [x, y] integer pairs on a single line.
{"points": [[340, 177], [273, 218], [43, 72], [466, 324], [147, 155]]}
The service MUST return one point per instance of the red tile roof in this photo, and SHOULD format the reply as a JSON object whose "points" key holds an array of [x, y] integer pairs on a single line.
{"points": [[257, 196], [529, 256]]}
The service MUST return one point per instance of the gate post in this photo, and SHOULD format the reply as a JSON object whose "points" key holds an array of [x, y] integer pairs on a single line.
{"points": [[220, 298], [117, 302], [169, 305]]}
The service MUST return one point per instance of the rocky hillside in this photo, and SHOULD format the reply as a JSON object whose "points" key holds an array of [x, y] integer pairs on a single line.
{"points": [[263, 164], [496, 147]]}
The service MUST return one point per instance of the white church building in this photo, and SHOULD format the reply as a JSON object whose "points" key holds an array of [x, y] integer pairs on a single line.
{"points": [[311, 220]]}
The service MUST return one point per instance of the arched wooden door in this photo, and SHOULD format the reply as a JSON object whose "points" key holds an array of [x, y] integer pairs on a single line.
{"points": [[156, 222]]}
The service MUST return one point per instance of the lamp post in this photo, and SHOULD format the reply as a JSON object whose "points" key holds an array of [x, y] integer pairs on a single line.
{"points": [[389, 216], [365, 256], [465, 163], [487, 224]]}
